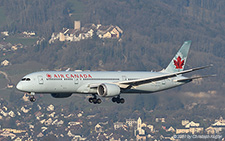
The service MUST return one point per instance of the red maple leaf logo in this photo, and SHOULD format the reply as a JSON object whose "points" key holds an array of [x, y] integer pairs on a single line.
{"points": [[178, 63], [48, 75]]}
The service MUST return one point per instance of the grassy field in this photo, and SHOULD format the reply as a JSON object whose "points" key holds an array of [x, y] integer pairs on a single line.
{"points": [[2, 17], [22, 40]]}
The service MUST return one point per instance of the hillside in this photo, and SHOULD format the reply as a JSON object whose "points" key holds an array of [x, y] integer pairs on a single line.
{"points": [[153, 32]]}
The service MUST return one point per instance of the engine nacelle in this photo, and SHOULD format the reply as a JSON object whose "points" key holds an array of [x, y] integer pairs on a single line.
{"points": [[61, 95], [108, 90]]}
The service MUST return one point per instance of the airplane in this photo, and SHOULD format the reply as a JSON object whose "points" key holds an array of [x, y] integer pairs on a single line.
{"points": [[62, 84]]}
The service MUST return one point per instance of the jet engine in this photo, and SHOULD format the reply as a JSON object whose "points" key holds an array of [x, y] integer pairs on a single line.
{"points": [[108, 90], [61, 95]]}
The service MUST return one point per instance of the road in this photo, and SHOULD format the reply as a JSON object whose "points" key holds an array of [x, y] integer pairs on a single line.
{"points": [[6, 76]]}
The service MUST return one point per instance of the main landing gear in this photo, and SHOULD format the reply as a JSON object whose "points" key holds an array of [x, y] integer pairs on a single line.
{"points": [[118, 99], [94, 99], [32, 98]]}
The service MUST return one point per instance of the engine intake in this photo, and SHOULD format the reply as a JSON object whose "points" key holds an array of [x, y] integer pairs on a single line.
{"points": [[108, 90]]}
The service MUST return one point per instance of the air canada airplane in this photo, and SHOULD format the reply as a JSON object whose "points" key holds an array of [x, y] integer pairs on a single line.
{"points": [[62, 84]]}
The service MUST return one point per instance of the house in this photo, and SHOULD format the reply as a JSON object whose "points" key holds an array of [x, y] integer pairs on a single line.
{"points": [[43, 129], [131, 122], [25, 97], [5, 63], [160, 120], [182, 131], [10, 86], [192, 130], [101, 137], [8, 134], [48, 122], [54, 122], [184, 122], [219, 122], [11, 114], [70, 134], [98, 128], [25, 109], [38, 114], [61, 122], [50, 108], [210, 130], [118, 125], [3, 113], [151, 127], [14, 48], [52, 114], [86, 32], [171, 129], [191, 124], [78, 138], [73, 123], [109, 32], [40, 135], [15, 131], [5, 33], [140, 138]]}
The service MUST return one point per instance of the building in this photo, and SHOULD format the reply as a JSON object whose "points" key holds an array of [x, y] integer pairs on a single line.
{"points": [[131, 122], [210, 130], [118, 125], [79, 33], [190, 127], [171, 129], [160, 120], [139, 130], [5, 63], [184, 122], [192, 124], [98, 128], [219, 122]]}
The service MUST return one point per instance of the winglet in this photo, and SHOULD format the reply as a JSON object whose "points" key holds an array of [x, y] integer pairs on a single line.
{"points": [[179, 60]]}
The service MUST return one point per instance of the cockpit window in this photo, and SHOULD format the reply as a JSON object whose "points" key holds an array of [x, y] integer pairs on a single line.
{"points": [[26, 79]]}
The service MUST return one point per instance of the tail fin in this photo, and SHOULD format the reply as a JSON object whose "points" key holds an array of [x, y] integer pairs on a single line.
{"points": [[179, 60]]}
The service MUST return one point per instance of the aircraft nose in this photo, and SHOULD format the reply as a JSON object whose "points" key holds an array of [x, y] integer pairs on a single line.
{"points": [[19, 86]]}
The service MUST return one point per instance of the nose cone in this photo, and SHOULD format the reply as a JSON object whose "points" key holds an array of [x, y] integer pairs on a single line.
{"points": [[19, 86]]}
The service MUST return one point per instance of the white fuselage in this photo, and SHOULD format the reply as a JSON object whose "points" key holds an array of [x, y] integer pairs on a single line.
{"points": [[83, 82]]}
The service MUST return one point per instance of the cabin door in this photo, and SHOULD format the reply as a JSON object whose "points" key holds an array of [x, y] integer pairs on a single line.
{"points": [[40, 80]]}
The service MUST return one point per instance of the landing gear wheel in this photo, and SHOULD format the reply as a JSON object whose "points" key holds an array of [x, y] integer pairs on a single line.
{"points": [[99, 101], [113, 99], [90, 100], [122, 100], [32, 99], [94, 100]]}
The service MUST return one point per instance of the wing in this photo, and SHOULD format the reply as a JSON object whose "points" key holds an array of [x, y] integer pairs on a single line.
{"points": [[129, 84]]}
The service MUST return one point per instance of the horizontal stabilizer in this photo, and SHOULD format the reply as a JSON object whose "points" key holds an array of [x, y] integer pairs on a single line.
{"points": [[138, 82], [192, 78]]}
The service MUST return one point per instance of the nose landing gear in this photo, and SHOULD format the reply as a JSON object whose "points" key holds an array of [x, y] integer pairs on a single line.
{"points": [[32, 98], [94, 99]]}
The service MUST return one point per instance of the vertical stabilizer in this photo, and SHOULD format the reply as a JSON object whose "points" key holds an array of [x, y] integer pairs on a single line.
{"points": [[179, 60]]}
